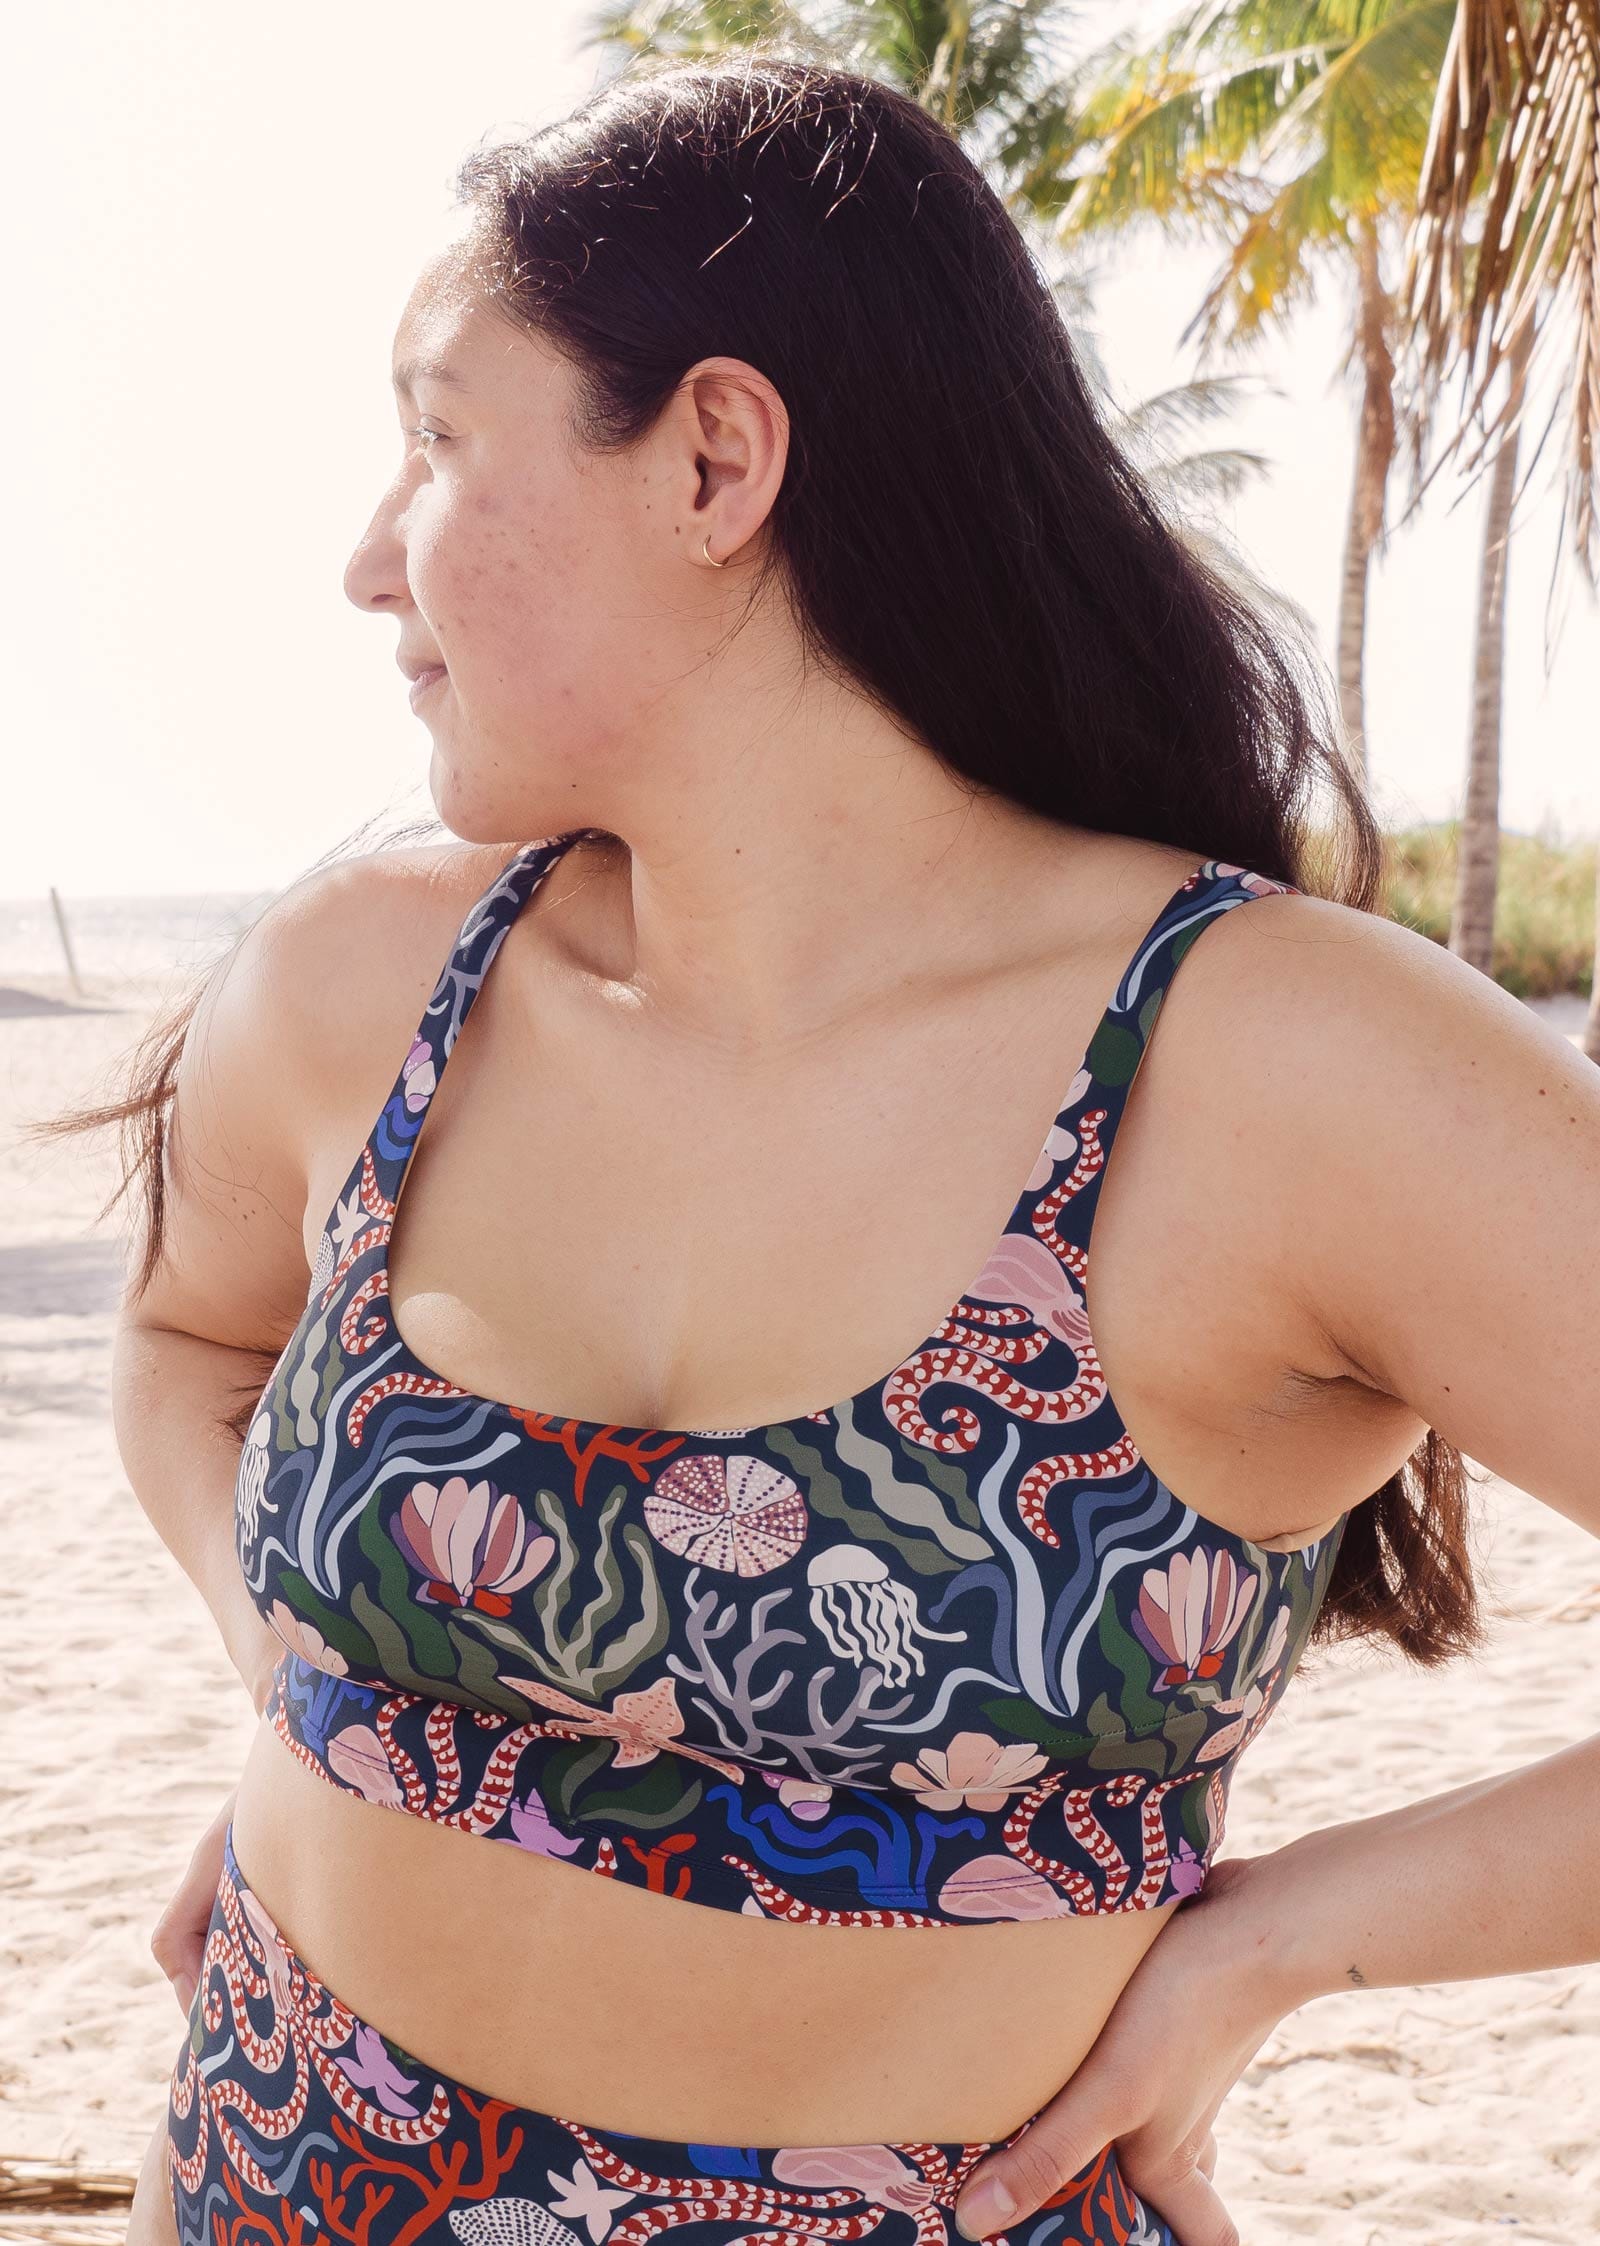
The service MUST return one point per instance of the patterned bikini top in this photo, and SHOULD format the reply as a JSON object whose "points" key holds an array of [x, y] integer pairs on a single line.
{"points": [[945, 1651]]}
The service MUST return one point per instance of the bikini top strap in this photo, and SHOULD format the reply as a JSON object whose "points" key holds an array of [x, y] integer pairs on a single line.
{"points": [[483, 931], [1122, 1037]]}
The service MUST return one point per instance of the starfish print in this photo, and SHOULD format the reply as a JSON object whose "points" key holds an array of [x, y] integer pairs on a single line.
{"points": [[586, 2198]]}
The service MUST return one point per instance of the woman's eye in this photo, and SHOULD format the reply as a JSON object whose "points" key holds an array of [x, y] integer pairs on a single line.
{"points": [[434, 436]]}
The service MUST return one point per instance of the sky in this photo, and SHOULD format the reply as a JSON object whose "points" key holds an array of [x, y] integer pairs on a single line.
{"points": [[215, 218]]}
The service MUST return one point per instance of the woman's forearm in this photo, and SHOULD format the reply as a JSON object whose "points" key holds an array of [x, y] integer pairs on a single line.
{"points": [[1496, 1876], [171, 1394]]}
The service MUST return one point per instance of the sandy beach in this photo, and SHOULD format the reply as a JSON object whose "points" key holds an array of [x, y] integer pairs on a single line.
{"points": [[1447, 2114]]}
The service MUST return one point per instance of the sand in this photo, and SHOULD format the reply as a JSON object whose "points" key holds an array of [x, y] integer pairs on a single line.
{"points": [[1445, 2113]]}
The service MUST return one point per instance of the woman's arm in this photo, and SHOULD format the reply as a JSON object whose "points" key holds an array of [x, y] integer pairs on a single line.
{"points": [[291, 1048], [170, 1392], [193, 1350], [1448, 1244], [1491, 1877], [1424, 1153]]}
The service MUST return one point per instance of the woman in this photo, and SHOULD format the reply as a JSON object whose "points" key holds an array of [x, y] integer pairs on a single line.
{"points": [[756, 549]]}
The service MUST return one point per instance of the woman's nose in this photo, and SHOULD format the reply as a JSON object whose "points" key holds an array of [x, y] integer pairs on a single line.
{"points": [[375, 575]]}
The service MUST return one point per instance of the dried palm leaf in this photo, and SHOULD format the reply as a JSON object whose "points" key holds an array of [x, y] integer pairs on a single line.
{"points": [[1517, 125]]}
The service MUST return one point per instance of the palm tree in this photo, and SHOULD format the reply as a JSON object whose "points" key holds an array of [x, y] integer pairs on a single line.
{"points": [[1517, 123], [1299, 129], [1478, 840], [1295, 130]]}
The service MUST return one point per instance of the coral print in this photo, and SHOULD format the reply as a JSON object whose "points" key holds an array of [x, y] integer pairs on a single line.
{"points": [[946, 1651]]}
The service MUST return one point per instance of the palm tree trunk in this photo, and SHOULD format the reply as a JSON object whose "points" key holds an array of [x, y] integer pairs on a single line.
{"points": [[1374, 452], [1353, 628], [1478, 836]]}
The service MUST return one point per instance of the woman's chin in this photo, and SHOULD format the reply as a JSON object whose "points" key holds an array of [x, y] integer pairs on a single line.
{"points": [[470, 818]]}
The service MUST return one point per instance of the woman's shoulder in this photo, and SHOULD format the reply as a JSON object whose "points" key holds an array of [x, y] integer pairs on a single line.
{"points": [[294, 1027], [354, 946], [397, 891], [1409, 1129]]}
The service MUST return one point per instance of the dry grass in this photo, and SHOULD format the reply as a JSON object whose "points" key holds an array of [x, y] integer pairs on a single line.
{"points": [[1544, 937]]}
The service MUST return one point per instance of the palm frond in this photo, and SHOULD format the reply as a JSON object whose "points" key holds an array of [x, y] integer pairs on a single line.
{"points": [[1156, 431], [1368, 110], [1272, 264], [1517, 123], [1207, 479], [1187, 406], [1164, 145], [636, 30]]}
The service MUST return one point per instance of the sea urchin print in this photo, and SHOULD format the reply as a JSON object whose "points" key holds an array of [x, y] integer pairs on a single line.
{"points": [[736, 1513]]}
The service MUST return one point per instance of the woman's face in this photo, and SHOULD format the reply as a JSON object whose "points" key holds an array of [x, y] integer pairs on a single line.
{"points": [[548, 582]]}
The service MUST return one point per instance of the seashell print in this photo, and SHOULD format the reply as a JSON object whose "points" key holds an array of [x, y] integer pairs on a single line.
{"points": [[1022, 1270], [1188, 1611], [503, 2221], [879, 2173], [470, 1543], [737, 1514], [357, 1755], [419, 1075], [306, 1640], [997, 1887]]}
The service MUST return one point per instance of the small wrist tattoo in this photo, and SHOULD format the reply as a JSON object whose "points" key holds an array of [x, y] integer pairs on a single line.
{"points": [[1357, 1976]]}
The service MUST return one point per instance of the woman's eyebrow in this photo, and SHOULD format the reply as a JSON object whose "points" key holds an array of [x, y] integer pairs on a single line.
{"points": [[412, 371]]}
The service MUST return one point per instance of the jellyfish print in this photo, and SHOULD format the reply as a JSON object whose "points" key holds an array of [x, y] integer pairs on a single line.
{"points": [[255, 1464], [865, 1615]]}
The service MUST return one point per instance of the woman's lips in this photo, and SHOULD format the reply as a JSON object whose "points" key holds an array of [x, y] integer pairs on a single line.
{"points": [[421, 684]]}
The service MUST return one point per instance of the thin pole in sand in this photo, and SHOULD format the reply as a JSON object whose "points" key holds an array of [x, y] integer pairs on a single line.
{"points": [[66, 941]]}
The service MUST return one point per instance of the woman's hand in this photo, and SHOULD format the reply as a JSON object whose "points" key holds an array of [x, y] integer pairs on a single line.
{"points": [[1201, 2002], [179, 1939]]}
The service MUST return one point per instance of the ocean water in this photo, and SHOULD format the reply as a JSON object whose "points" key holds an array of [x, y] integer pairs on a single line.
{"points": [[118, 938]]}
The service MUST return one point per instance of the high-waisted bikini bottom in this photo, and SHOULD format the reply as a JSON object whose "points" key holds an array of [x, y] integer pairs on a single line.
{"points": [[293, 2122]]}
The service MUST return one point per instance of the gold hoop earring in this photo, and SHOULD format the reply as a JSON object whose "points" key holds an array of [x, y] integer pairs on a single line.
{"points": [[705, 548]]}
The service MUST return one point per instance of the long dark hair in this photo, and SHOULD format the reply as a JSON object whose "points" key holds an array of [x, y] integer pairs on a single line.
{"points": [[957, 535]]}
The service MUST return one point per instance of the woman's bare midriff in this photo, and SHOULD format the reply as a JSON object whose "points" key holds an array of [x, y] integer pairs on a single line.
{"points": [[557, 1989]]}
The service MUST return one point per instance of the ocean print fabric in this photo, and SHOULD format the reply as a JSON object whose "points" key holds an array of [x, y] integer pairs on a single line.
{"points": [[943, 1652], [293, 2121]]}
